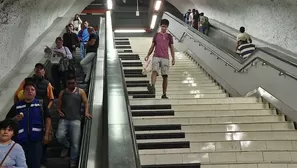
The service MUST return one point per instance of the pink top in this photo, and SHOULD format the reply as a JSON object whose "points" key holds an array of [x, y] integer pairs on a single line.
{"points": [[162, 42]]}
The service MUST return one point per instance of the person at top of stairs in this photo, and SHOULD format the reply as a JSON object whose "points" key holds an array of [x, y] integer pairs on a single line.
{"points": [[161, 42]]}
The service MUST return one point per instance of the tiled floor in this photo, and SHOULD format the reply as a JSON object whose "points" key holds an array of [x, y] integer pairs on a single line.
{"points": [[222, 131]]}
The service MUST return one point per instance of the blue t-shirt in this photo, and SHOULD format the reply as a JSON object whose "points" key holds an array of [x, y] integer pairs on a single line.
{"points": [[84, 35], [16, 158]]}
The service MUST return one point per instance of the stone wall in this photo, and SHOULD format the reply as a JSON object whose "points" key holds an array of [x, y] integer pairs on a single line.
{"points": [[273, 21], [21, 23]]}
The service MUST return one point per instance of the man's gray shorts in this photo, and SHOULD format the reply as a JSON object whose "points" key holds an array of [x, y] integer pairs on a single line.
{"points": [[162, 64]]}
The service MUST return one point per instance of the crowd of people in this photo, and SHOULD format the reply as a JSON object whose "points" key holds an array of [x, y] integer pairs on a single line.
{"points": [[27, 129], [199, 21]]}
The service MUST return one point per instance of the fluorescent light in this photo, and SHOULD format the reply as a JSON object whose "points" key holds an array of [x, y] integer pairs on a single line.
{"points": [[109, 4], [154, 19], [158, 5], [130, 31]]}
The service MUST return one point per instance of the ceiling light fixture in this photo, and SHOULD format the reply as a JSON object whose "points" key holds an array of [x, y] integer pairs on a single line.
{"points": [[158, 5], [129, 31], [109, 4], [153, 23]]}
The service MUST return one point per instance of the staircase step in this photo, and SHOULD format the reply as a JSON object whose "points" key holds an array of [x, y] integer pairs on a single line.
{"points": [[152, 113], [137, 96], [149, 107], [132, 64], [124, 51], [123, 47], [164, 145], [160, 135], [136, 75], [157, 127], [57, 162], [122, 43], [133, 71], [184, 165]]}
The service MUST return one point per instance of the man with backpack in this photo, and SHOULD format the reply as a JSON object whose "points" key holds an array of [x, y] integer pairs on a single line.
{"points": [[204, 24], [34, 122], [160, 62]]}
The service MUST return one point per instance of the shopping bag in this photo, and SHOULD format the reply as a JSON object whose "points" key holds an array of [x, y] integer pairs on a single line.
{"points": [[147, 66]]}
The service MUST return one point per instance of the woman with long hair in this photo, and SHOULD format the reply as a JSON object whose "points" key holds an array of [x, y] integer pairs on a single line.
{"points": [[76, 23]]}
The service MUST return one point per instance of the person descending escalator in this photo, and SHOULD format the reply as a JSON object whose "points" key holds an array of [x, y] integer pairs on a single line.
{"points": [[244, 46], [76, 23], [69, 110], [187, 16], [59, 57], [204, 24], [70, 41], [83, 37], [91, 51], [44, 92], [34, 122], [196, 19]]}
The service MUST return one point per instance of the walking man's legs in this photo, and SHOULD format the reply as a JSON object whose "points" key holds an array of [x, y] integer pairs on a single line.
{"points": [[61, 136], [74, 133]]}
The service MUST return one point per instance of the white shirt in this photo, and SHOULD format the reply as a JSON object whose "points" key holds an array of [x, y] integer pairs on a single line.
{"points": [[243, 37], [191, 17], [58, 53]]}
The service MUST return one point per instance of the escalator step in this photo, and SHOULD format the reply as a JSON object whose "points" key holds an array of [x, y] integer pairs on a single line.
{"points": [[136, 96], [153, 113], [150, 107], [57, 163], [161, 135], [185, 165], [163, 145], [157, 127], [54, 152]]}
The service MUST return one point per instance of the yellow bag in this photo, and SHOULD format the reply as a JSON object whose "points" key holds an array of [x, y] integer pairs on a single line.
{"points": [[21, 95]]}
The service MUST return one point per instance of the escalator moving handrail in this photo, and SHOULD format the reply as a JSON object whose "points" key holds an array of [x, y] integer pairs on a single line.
{"points": [[84, 149], [227, 62]]}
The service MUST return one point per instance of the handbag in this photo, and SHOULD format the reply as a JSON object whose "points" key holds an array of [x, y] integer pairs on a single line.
{"points": [[7, 154]]}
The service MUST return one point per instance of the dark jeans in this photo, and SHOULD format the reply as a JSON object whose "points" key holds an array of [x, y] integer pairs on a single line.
{"points": [[43, 158], [57, 77], [33, 153]]}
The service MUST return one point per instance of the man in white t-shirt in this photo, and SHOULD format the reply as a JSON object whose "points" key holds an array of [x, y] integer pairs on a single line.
{"points": [[243, 38], [191, 17]]}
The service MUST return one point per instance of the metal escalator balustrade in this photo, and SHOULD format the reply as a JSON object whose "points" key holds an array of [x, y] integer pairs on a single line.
{"points": [[91, 152], [200, 126], [118, 133], [270, 78]]}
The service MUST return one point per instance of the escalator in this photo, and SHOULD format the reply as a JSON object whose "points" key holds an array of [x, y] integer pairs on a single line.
{"points": [[54, 148]]}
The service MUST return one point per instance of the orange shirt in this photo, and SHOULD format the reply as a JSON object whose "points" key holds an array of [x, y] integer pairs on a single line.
{"points": [[50, 93]]}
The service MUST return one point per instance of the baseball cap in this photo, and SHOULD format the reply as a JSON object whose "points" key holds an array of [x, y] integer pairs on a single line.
{"points": [[39, 65]]}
